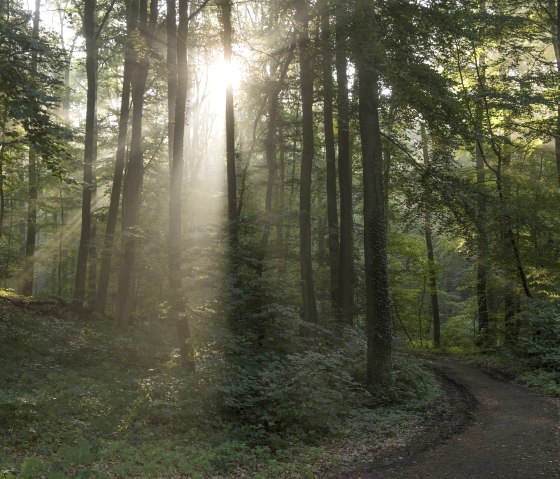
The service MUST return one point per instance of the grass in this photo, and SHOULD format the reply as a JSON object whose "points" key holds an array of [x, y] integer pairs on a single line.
{"points": [[80, 399]]}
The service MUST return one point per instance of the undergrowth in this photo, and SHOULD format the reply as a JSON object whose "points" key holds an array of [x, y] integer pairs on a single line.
{"points": [[79, 399]]}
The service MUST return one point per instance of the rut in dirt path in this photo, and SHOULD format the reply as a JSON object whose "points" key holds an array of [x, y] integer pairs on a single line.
{"points": [[514, 434]]}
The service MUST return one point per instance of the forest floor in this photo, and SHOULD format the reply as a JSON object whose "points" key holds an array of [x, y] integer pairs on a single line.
{"points": [[493, 428], [80, 399]]}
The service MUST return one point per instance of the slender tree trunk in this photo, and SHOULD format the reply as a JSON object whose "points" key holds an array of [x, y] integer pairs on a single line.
{"points": [[346, 256], [230, 138], [171, 23], [271, 148], [60, 243], [482, 249], [378, 301], [177, 309], [132, 188], [556, 44], [482, 241], [432, 275], [29, 271], [306, 84], [89, 152], [272, 167], [116, 189], [330, 154], [2, 192]]}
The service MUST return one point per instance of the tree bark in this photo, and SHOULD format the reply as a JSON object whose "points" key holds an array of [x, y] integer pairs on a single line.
{"points": [[482, 241], [230, 137], [556, 44], [116, 189], [378, 301], [271, 147], [89, 152], [29, 270], [432, 275], [177, 304], [132, 188], [330, 154], [306, 85], [346, 255]]}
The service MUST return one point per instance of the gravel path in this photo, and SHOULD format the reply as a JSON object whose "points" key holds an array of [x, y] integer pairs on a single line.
{"points": [[495, 429]]}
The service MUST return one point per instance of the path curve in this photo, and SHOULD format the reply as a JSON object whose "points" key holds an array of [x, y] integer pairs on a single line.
{"points": [[510, 432]]}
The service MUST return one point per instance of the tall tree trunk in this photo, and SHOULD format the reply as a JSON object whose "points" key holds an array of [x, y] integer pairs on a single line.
{"points": [[330, 154], [272, 167], [29, 271], [556, 44], [482, 241], [171, 24], [177, 305], [378, 301], [432, 275], [306, 85], [230, 138], [89, 152], [107, 256], [271, 147], [4, 120], [346, 257], [132, 188]]}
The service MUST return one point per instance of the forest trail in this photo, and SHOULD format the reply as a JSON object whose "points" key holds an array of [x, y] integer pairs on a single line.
{"points": [[501, 430]]}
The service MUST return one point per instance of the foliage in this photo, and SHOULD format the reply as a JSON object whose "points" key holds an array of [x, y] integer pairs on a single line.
{"points": [[80, 399]]}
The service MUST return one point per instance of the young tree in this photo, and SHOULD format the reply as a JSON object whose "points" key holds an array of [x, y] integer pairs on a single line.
{"points": [[432, 273]]}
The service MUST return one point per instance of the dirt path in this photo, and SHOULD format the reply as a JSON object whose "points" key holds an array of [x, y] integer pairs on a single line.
{"points": [[496, 429]]}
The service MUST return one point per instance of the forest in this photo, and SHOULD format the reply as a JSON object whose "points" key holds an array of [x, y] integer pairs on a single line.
{"points": [[234, 232]]}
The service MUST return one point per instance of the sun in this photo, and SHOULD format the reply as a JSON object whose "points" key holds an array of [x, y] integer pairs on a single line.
{"points": [[225, 74]]}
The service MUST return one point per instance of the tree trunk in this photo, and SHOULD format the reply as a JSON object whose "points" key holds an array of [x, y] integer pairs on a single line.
{"points": [[177, 305], [346, 256], [556, 44], [230, 137], [378, 301], [482, 241], [171, 24], [107, 257], [306, 84], [89, 152], [2, 192], [271, 147], [272, 168], [330, 155], [132, 188], [432, 275], [29, 271]]}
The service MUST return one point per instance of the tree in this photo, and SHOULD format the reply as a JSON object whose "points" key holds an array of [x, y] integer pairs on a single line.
{"points": [[132, 188], [330, 154], [178, 88], [378, 301], [432, 274], [120, 160], [306, 86], [346, 258], [29, 273]]}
